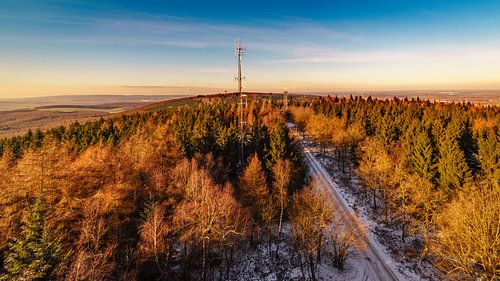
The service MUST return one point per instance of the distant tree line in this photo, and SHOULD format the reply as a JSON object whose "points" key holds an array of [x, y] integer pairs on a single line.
{"points": [[77, 137]]}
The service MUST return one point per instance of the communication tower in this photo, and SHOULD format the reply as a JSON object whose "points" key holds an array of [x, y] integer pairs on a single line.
{"points": [[242, 100]]}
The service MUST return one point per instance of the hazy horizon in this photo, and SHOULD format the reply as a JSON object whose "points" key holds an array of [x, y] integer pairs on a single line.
{"points": [[188, 91]]}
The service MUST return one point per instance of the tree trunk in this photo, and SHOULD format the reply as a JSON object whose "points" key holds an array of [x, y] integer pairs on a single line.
{"points": [[403, 225], [386, 208], [229, 264], [185, 263], [312, 268], [252, 234], [204, 261], [302, 266], [343, 159], [318, 252], [231, 252], [323, 149], [223, 256], [279, 230], [269, 242], [167, 265], [426, 237], [229, 261]]}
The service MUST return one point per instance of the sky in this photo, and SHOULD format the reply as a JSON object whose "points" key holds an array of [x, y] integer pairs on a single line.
{"points": [[183, 46]]}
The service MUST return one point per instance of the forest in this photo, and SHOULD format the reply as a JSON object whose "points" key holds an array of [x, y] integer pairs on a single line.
{"points": [[429, 169], [160, 194]]}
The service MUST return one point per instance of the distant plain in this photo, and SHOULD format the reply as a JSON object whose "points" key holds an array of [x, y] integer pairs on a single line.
{"points": [[17, 116]]}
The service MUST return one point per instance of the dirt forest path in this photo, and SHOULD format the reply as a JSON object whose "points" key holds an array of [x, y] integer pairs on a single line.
{"points": [[378, 265]]}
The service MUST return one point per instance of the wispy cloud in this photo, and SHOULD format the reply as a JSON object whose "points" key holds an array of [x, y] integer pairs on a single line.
{"points": [[297, 41], [213, 70], [425, 53], [294, 41], [294, 37]]}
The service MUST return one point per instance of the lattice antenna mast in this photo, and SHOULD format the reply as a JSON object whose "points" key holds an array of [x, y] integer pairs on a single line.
{"points": [[239, 53]]}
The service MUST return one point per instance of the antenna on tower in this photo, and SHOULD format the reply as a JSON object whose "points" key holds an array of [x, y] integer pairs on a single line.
{"points": [[239, 53]]}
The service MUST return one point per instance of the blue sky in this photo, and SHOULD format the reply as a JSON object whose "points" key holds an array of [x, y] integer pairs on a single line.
{"points": [[56, 47]]}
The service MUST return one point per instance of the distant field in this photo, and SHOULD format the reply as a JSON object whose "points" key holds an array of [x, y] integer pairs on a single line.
{"points": [[19, 121], [17, 116], [126, 101]]}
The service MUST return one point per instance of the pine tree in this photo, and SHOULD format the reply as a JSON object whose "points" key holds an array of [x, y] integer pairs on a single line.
{"points": [[279, 145], [387, 131], [38, 138], [408, 145], [34, 253], [453, 170], [260, 139], [489, 158], [423, 157]]}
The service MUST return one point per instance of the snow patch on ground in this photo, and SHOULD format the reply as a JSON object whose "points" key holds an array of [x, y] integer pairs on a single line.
{"points": [[260, 264], [386, 237]]}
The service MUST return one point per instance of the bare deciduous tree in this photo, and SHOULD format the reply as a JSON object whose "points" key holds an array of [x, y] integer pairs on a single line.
{"points": [[376, 169], [209, 216], [281, 175], [300, 116], [468, 241], [425, 202], [311, 217], [94, 258], [153, 238], [342, 237], [321, 128]]}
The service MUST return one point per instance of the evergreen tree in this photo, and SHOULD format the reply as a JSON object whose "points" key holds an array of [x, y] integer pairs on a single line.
{"points": [[452, 168], [34, 253], [489, 158], [408, 145], [38, 138], [387, 131], [423, 162], [259, 139], [28, 139], [226, 141], [279, 145]]}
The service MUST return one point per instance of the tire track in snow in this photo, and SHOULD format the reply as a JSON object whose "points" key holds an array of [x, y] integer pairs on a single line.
{"points": [[379, 266]]}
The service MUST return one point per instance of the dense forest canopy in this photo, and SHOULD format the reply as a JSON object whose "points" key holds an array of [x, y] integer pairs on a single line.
{"points": [[92, 201], [159, 194], [435, 167]]}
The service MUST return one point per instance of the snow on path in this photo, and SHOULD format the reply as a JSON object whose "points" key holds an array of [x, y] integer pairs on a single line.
{"points": [[377, 264]]}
